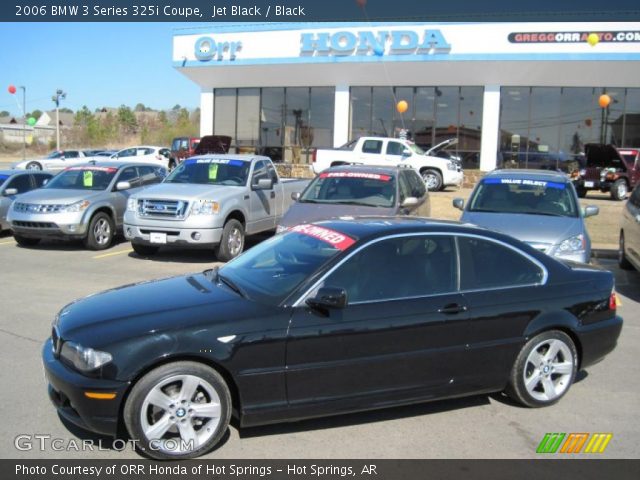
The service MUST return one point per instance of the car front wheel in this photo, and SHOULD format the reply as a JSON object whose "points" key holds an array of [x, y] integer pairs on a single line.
{"points": [[100, 232], [179, 410], [432, 180], [619, 189], [33, 166], [544, 370], [232, 241]]}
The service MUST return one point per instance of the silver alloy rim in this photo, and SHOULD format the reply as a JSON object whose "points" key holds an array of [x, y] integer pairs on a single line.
{"points": [[430, 181], [622, 190], [548, 370], [235, 241], [102, 231], [180, 414], [34, 166]]}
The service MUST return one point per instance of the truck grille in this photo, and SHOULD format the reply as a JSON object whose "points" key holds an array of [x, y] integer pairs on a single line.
{"points": [[37, 208], [162, 208]]}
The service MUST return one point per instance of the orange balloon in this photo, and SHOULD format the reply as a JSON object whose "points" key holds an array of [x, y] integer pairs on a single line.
{"points": [[604, 100], [402, 106]]}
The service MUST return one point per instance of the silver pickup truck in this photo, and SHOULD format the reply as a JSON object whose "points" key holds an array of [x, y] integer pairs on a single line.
{"points": [[210, 201]]}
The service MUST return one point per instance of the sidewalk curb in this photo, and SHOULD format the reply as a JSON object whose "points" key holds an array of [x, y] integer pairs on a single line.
{"points": [[605, 253]]}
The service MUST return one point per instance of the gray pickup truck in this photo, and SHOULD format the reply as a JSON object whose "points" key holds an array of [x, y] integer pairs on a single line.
{"points": [[210, 201]]}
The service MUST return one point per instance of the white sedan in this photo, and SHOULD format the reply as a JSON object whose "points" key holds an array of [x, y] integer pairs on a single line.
{"points": [[158, 156], [55, 161]]}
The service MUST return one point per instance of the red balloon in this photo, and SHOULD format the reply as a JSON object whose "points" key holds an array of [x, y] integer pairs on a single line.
{"points": [[12, 89]]}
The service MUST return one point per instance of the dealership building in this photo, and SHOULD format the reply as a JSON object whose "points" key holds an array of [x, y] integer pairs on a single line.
{"points": [[527, 93]]}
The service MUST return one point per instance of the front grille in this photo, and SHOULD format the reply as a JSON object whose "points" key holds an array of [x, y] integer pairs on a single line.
{"points": [[37, 208], [162, 208], [20, 223]]}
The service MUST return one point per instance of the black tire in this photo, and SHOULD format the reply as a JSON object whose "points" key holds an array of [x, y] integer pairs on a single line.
{"points": [[581, 191], [33, 166], [140, 415], [144, 250], [100, 232], [432, 179], [26, 241], [623, 262], [232, 241], [619, 189], [540, 375]]}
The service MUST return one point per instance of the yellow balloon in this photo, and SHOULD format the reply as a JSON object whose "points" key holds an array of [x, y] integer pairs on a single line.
{"points": [[593, 39], [402, 106]]}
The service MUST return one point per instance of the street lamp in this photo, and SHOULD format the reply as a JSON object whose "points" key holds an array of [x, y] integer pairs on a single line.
{"points": [[60, 95]]}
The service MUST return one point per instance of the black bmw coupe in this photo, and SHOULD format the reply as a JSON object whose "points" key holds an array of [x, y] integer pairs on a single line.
{"points": [[331, 317]]}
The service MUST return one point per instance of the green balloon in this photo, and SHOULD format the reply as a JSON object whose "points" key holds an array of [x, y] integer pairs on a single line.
{"points": [[31, 121]]}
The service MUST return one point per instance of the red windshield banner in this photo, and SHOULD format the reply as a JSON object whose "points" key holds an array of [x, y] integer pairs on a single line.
{"points": [[97, 169], [369, 176], [335, 239]]}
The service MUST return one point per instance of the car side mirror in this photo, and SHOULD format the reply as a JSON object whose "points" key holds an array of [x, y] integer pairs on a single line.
{"points": [[263, 184], [295, 196], [123, 186], [410, 202], [10, 191], [458, 203], [329, 297], [590, 211], [407, 152]]}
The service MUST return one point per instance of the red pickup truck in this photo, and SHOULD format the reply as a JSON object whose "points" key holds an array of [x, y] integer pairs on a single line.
{"points": [[608, 169], [185, 147]]}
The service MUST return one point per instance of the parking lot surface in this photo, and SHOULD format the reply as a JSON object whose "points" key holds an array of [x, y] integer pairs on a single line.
{"points": [[37, 282]]}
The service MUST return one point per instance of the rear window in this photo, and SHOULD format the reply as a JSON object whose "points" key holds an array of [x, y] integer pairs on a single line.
{"points": [[525, 196], [354, 188]]}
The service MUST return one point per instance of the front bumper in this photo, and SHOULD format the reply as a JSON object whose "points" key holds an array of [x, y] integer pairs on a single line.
{"points": [[53, 225], [206, 237], [67, 393], [453, 178], [600, 185]]}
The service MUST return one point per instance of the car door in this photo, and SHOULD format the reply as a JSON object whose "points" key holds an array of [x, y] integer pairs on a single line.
{"points": [[120, 197], [401, 335], [502, 290], [261, 202], [394, 153], [418, 190]]}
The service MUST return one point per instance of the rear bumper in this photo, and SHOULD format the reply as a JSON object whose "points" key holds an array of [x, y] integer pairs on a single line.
{"points": [[67, 389], [598, 339]]}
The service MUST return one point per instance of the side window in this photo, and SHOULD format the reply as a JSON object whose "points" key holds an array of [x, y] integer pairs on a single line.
{"points": [[130, 175], [184, 144], [395, 148], [71, 154], [405, 188], [129, 152], [259, 171], [418, 188], [272, 172], [22, 183], [40, 178], [399, 268], [149, 175], [372, 146], [486, 264]]}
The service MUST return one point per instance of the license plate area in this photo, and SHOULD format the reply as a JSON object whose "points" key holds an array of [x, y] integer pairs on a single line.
{"points": [[588, 184], [156, 237]]}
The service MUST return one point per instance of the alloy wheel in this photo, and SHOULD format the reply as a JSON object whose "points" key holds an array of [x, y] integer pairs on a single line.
{"points": [[548, 370]]}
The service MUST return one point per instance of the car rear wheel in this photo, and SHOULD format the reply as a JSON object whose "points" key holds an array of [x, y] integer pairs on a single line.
{"points": [[623, 262], [33, 166], [432, 180], [544, 370], [100, 232], [232, 242], [179, 410], [26, 241], [144, 250], [619, 189]]}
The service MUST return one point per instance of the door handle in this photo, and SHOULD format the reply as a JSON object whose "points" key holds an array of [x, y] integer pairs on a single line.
{"points": [[452, 308]]}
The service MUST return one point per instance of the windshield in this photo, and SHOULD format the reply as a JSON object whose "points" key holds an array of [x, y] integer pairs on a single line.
{"points": [[56, 154], [357, 188], [83, 178], [416, 149], [273, 269], [515, 195], [211, 171]]}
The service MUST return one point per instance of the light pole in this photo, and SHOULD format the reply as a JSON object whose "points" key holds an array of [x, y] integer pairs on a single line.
{"points": [[60, 95], [24, 122]]}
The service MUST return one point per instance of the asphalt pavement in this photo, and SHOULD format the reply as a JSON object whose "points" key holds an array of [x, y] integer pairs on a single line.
{"points": [[37, 282]]}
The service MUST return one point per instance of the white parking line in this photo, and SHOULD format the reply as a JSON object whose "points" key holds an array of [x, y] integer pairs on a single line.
{"points": [[7, 242], [113, 253]]}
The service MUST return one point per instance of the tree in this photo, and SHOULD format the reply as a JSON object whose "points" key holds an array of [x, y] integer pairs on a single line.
{"points": [[183, 118], [127, 119], [162, 118], [4, 113], [140, 107], [66, 110], [36, 114], [176, 107]]}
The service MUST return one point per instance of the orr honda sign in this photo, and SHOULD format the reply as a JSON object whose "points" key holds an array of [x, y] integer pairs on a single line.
{"points": [[396, 42]]}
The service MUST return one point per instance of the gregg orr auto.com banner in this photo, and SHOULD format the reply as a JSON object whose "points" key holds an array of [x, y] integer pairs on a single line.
{"points": [[574, 37]]}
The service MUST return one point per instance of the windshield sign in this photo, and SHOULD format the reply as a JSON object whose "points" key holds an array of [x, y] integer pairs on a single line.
{"points": [[333, 238], [524, 196], [83, 178], [211, 171]]}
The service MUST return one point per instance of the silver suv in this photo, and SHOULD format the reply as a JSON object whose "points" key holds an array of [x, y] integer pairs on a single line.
{"points": [[82, 202]]}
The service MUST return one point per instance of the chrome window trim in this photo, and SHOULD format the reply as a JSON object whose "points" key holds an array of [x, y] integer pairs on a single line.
{"points": [[545, 274]]}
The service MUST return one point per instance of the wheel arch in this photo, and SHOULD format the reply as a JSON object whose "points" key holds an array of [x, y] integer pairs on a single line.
{"points": [[224, 373], [236, 215], [563, 322]]}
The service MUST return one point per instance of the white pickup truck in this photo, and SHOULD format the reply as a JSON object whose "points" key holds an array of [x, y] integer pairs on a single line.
{"points": [[437, 172]]}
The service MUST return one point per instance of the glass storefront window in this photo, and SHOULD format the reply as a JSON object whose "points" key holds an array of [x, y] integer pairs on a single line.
{"points": [[296, 123], [322, 106], [632, 119], [360, 112], [248, 126], [382, 112], [424, 116], [224, 111], [470, 126], [544, 129]]}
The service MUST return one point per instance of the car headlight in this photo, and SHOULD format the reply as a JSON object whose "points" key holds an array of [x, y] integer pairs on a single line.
{"points": [[80, 206], [84, 359], [451, 166], [132, 204], [571, 245], [205, 207]]}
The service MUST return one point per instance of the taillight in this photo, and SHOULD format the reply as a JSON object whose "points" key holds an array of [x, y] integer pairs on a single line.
{"points": [[313, 156], [613, 301]]}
